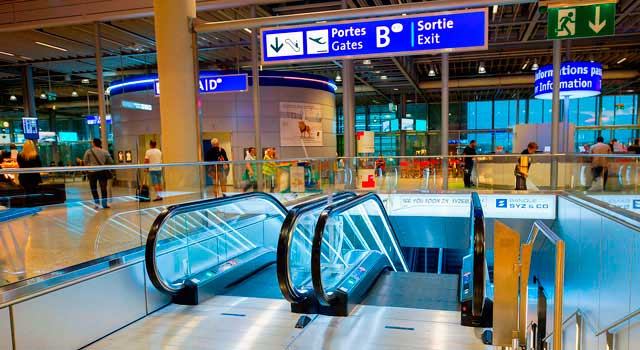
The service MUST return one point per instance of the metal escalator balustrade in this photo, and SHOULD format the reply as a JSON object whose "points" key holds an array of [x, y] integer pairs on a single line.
{"points": [[353, 244], [213, 243], [294, 251]]}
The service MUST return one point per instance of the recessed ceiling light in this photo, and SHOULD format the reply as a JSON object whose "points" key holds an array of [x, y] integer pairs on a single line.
{"points": [[481, 68], [6, 53], [13, 98], [621, 60], [383, 77], [51, 46], [85, 81], [74, 93]]}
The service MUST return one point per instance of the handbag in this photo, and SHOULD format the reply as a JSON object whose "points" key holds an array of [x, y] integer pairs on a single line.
{"points": [[108, 173]]}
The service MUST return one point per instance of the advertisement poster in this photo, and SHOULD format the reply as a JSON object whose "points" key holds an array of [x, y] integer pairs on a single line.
{"points": [[300, 124], [500, 206], [365, 142]]}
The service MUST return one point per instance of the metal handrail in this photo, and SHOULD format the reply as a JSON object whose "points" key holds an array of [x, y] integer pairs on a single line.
{"points": [[290, 160], [150, 251], [537, 227], [289, 291], [617, 323], [621, 216], [316, 269]]}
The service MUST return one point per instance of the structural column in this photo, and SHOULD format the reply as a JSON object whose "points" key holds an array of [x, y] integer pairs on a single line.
{"points": [[255, 88], [100, 83], [555, 112], [403, 133], [28, 94], [348, 108], [179, 120], [444, 128]]}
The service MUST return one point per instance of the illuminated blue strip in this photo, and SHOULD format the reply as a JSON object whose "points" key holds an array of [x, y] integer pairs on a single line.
{"points": [[267, 78]]}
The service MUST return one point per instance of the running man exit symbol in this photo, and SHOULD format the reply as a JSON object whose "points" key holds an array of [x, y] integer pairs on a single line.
{"points": [[567, 22], [582, 21]]}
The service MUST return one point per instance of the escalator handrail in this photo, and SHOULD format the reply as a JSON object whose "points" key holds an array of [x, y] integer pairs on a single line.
{"points": [[478, 241], [287, 288], [150, 249], [316, 251]]}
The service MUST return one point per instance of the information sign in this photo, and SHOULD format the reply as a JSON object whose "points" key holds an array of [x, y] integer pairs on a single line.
{"points": [[217, 83], [402, 35]]}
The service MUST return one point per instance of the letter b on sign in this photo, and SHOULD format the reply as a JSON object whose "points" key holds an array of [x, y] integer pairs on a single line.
{"points": [[382, 36]]}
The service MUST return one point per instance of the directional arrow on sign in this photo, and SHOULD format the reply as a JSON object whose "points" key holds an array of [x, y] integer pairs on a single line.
{"points": [[277, 46], [597, 26]]}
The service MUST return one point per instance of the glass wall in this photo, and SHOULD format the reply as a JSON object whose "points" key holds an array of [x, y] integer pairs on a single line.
{"points": [[491, 123]]}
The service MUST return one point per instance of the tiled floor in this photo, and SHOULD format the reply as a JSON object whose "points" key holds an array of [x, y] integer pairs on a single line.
{"points": [[226, 322], [65, 235]]}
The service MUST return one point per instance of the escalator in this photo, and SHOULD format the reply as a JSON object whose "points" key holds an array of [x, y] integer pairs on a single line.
{"points": [[228, 246], [356, 259]]}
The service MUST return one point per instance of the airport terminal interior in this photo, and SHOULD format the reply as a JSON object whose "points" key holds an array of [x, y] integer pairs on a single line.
{"points": [[305, 174]]}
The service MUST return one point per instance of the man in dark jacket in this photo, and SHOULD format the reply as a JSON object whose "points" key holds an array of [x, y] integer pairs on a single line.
{"points": [[468, 163], [218, 173]]}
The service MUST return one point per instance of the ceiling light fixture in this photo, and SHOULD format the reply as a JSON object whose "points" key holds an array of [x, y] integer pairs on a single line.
{"points": [[74, 93], [621, 60], [395, 89], [432, 72], [43, 96], [535, 66], [481, 68], [383, 77], [7, 54], [366, 62], [51, 46], [85, 81], [13, 98], [524, 66], [338, 77], [495, 9], [247, 30]]}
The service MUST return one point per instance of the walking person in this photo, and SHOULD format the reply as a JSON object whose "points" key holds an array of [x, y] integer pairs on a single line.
{"points": [[218, 173], [269, 170], [249, 174], [523, 166], [154, 156], [469, 152], [29, 158], [93, 157], [599, 165]]}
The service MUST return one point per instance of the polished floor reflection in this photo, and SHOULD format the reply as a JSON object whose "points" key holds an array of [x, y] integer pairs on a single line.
{"points": [[226, 322]]}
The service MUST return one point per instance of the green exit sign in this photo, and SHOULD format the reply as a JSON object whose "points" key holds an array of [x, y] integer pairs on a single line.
{"points": [[581, 21]]}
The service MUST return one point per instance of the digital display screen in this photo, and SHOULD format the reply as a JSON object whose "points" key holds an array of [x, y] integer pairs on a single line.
{"points": [[407, 124], [30, 128]]}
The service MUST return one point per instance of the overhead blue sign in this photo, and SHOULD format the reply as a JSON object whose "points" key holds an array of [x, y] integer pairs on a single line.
{"points": [[577, 80], [217, 83], [403, 35], [95, 119]]}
